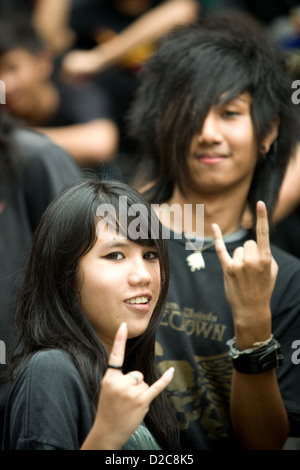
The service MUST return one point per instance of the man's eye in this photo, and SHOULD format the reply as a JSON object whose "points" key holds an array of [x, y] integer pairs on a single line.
{"points": [[151, 255], [229, 113], [115, 256]]}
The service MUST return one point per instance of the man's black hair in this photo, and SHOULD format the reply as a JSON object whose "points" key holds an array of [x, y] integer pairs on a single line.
{"points": [[197, 67], [19, 33]]}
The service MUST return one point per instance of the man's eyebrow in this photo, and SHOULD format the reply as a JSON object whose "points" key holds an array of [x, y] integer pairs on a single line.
{"points": [[240, 98], [223, 100]]}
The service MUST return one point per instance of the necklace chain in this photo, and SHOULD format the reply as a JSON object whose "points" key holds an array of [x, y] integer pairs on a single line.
{"points": [[195, 260], [209, 244]]}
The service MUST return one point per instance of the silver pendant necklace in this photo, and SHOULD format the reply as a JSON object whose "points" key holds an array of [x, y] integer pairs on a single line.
{"points": [[195, 260]]}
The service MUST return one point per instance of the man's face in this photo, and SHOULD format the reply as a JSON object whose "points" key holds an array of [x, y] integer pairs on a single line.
{"points": [[23, 74], [224, 153]]}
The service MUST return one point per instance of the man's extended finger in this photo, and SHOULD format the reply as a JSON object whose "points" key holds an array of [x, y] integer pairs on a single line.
{"points": [[262, 227], [117, 354], [224, 256], [159, 385]]}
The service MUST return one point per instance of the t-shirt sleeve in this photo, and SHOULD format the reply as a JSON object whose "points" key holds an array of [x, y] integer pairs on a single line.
{"points": [[48, 407], [285, 306]]}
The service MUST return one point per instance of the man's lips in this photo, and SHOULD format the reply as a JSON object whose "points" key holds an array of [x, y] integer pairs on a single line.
{"points": [[211, 159]]}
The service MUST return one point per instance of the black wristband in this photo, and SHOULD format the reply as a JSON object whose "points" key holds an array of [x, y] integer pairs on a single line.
{"points": [[259, 360]]}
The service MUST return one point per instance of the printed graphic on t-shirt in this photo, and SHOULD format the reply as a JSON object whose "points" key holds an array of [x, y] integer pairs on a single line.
{"points": [[200, 389]]}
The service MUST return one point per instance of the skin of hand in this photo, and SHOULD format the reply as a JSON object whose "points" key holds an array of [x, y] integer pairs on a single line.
{"points": [[124, 400], [78, 64], [249, 279]]}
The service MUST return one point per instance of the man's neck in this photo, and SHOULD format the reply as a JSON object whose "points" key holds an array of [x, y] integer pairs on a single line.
{"points": [[225, 209]]}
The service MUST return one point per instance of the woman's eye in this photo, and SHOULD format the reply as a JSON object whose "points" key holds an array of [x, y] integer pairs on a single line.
{"points": [[115, 256], [151, 255]]}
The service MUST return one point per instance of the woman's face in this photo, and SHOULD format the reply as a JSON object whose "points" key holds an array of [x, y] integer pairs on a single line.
{"points": [[119, 281]]}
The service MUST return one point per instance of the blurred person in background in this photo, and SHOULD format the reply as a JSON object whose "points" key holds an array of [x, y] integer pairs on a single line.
{"points": [[111, 41], [76, 117], [33, 171]]}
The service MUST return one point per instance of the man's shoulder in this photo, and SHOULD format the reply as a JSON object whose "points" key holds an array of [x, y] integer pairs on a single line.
{"points": [[284, 258]]}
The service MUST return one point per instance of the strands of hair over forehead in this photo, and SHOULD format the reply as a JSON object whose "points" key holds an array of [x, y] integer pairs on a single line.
{"points": [[200, 66], [128, 218]]}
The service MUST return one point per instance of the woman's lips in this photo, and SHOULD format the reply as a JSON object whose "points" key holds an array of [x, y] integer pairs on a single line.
{"points": [[141, 308], [140, 303]]}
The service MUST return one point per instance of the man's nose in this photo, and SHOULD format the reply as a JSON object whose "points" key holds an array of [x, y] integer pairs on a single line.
{"points": [[210, 132]]}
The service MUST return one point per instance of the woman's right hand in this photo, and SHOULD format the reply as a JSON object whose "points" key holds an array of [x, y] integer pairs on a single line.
{"points": [[124, 400]]}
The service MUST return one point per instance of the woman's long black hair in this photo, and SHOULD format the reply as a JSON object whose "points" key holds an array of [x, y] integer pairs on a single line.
{"points": [[48, 311]]}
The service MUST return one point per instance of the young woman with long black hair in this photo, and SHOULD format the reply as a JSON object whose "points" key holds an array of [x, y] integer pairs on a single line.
{"points": [[86, 291]]}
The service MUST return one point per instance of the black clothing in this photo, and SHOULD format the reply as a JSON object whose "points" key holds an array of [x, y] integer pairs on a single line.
{"points": [[192, 337], [59, 414], [79, 104], [286, 234], [95, 21], [46, 171]]}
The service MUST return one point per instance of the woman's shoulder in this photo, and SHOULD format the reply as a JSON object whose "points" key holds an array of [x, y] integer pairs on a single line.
{"points": [[51, 358], [51, 366]]}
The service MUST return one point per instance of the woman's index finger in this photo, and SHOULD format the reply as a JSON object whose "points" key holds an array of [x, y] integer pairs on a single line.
{"points": [[117, 353]]}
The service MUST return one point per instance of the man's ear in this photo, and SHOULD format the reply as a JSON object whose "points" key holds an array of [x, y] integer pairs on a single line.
{"points": [[271, 136]]}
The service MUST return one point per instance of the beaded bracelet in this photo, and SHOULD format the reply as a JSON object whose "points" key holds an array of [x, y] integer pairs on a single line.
{"points": [[263, 356]]}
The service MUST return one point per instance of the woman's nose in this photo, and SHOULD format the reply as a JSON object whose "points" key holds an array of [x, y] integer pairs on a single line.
{"points": [[139, 273]]}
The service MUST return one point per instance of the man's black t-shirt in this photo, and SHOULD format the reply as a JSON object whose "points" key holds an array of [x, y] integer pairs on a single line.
{"points": [[192, 337]]}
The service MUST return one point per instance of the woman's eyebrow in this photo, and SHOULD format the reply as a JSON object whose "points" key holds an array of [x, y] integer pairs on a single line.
{"points": [[115, 243]]}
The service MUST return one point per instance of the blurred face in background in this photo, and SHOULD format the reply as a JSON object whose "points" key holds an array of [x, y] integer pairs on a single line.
{"points": [[24, 75]]}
